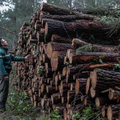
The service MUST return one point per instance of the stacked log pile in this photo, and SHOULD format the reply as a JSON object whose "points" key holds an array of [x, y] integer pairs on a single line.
{"points": [[56, 75]]}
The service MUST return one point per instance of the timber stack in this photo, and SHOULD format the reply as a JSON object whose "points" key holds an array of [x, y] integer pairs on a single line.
{"points": [[58, 73]]}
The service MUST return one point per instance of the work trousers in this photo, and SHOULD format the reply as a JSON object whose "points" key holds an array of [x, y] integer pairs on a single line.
{"points": [[4, 87]]}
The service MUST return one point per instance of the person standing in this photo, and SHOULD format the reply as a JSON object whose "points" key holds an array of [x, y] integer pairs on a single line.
{"points": [[5, 67]]}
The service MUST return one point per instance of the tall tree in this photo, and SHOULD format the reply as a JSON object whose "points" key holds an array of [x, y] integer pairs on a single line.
{"points": [[13, 18]]}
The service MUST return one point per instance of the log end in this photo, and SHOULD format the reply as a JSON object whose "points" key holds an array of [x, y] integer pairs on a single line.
{"points": [[97, 102], [103, 111], [77, 86], [49, 50], [87, 85], [64, 71], [109, 113], [93, 77], [92, 92]]}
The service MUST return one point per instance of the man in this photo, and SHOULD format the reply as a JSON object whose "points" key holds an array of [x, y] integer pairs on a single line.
{"points": [[5, 67]]}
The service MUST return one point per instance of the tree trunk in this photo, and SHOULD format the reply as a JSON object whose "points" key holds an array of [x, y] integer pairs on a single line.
{"points": [[53, 46], [86, 57], [84, 67], [72, 29], [94, 48], [80, 85], [113, 112], [54, 9], [59, 39], [68, 18], [57, 60], [103, 79]]}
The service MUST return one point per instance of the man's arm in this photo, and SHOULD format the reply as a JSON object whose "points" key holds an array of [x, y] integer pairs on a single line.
{"points": [[14, 58]]}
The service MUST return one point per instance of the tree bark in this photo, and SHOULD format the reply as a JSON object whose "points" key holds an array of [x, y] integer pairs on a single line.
{"points": [[59, 39], [54, 9], [68, 18], [94, 47], [84, 67], [86, 57], [57, 60], [53, 46], [103, 79], [80, 85], [72, 29], [113, 112]]}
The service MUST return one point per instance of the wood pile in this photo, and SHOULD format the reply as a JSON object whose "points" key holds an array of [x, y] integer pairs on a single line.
{"points": [[56, 75]]}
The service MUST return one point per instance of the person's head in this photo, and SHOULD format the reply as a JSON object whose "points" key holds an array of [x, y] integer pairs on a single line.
{"points": [[3, 42]]}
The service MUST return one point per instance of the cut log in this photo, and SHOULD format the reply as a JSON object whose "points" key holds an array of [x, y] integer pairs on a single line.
{"points": [[99, 101], [86, 57], [88, 86], [104, 111], [52, 9], [59, 39], [70, 96], [84, 67], [114, 95], [69, 18], [57, 60], [55, 98], [72, 29], [64, 71], [53, 46], [113, 112], [38, 25], [104, 79], [80, 85], [94, 48]]}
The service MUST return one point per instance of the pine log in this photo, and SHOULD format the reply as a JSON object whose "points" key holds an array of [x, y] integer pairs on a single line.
{"points": [[57, 60], [84, 67], [94, 47], [80, 85], [38, 25], [53, 46], [88, 86], [68, 18], [104, 111], [104, 79], [99, 101], [72, 29], [114, 95], [52, 9], [113, 112], [70, 95], [64, 71], [86, 57], [84, 74], [50, 89], [55, 98], [59, 39]]}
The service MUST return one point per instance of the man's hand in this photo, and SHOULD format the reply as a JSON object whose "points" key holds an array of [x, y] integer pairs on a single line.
{"points": [[6, 78], [27, 57]]}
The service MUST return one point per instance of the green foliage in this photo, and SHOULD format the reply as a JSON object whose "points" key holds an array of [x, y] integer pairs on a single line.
{"points": [[91, 37], [18, 103], [55, 115], [117, 66], [85, 48], [88, 114], [42, 70]]}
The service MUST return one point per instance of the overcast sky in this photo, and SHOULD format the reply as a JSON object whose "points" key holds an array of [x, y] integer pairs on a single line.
{"points": [[6, 7]]}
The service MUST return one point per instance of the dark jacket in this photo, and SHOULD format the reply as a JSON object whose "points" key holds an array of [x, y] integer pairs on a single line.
{"points": [[5, 60]]}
